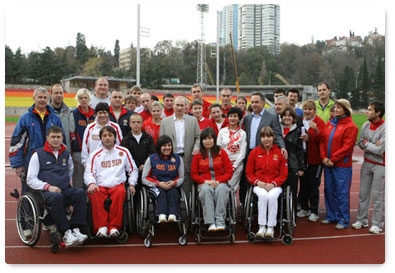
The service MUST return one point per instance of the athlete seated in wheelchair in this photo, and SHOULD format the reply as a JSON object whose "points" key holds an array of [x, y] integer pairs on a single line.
{"points": [[162, 176], [106, 172], [49, 173], [266, 171], [211, 169]]}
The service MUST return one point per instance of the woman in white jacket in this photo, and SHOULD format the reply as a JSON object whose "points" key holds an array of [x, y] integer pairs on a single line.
{"points": [[233, 140]]}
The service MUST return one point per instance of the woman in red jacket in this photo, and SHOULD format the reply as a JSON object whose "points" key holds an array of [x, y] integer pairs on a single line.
{"points": [[336, 147], [267, 170], [211, 170]]}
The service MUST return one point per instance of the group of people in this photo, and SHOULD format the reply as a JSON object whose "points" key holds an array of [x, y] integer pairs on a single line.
{"points": [[108, 143]]}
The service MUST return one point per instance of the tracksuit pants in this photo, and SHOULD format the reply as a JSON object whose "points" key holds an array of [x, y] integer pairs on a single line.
{"points": [[168, 201], [337, 194], [214, 203], [102, 218], [267, 205]]}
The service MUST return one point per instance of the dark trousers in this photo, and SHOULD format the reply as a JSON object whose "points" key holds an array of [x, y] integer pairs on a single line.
{"points": [[309, 194], [292, 181], [57, 202], [168, 201]]}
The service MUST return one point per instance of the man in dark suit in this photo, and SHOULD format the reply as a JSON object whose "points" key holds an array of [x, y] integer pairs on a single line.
{"points": [[252, 125], [184, 132]]}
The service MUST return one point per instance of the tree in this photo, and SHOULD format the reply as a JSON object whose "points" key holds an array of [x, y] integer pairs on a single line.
{"points": [[82, 51], [117, 49], [366, 84]]}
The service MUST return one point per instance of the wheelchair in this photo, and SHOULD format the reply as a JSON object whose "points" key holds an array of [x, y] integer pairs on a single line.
{"points": [[146, 221], [31, 212], [197, 221], [285, 216], [129, 223]]}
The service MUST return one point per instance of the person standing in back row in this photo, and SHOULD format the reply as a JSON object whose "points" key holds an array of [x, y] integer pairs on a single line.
{"points": [[336, 149], [101, 92], [324, 103], [372, 142]]}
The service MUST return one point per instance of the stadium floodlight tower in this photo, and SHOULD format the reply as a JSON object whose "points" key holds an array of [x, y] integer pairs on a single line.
{"points": [[201, 74]]}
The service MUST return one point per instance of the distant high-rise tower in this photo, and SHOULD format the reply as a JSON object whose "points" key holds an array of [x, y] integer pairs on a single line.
{"points": [[201, 75], [251, 25], [259, 25]]}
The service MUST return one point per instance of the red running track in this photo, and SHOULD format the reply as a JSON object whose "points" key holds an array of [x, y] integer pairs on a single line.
{"points": [[313, 243]]}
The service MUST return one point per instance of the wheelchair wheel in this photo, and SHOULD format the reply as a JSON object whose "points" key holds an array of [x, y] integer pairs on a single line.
{"points": [[130, 213], [28, 220], [248, 210], [290, 212], [287, 239], [182, 240], [193, 202], [141, 216]]}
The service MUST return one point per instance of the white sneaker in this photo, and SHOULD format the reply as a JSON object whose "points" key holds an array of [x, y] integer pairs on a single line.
{"points": [[269, 232], [313, 217], [114, 233], [212, 227], [261, 232], [69, 239], [27, 233], [303, 213], [220, 228], [81, 237], [358, 225], [375, 229], [162, 218], [172, 218], [102, 232]]}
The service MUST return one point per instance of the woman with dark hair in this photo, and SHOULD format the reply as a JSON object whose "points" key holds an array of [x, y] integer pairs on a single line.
{"points": [[266, 171], [294, 145], [233, 140], [211, 170], [163, 173]]}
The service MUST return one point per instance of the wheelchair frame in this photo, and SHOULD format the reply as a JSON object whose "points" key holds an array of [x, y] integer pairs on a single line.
{"points": [[197, 219], [146, 221], [285, 216]]}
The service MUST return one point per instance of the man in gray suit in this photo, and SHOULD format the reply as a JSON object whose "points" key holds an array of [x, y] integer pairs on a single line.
{"points": [[184, 132], [252, 124]]}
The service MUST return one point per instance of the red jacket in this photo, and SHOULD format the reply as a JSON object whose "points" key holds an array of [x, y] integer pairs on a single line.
{"points": [[313, 144], [267, 166], [338, 141], [200, 169], [213, 125]]}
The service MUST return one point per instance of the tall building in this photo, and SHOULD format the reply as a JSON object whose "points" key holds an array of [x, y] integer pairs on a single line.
{"points": [[228, 22], [251, 26]]}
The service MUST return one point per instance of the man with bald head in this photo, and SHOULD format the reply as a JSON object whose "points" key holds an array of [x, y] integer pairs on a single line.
{"points": [[184, 132]]}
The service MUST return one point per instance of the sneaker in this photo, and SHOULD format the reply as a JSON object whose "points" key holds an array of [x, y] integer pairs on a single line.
{"points": [[358, 225], [261, 232], [375, 229], [27, 233], [303, 213], [102, 232], [340, 226], [162, 218], [269, 232], [81, 237], [212, 227], [114, 233], [326, 222], [172, 218], [220, 228], [313, 217], [69, 239]]}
